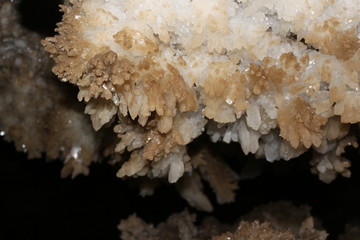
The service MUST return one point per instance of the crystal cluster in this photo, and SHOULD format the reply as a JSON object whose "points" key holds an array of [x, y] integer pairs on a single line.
{"points": [[278, 77]]}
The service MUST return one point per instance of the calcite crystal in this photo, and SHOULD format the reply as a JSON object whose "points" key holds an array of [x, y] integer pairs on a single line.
{"points": [[278, 77], [279, 221]]}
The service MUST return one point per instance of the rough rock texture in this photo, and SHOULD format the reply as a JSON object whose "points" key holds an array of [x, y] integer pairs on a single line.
{"points": [[255, 231], [37, 112], [275, 221], [284, 216]]}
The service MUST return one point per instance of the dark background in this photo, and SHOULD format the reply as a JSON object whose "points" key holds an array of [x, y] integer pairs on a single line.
{"points": [[35, 203]]}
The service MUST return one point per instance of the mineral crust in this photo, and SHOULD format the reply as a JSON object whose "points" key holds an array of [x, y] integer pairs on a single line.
{"points": [[279, 77]]}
